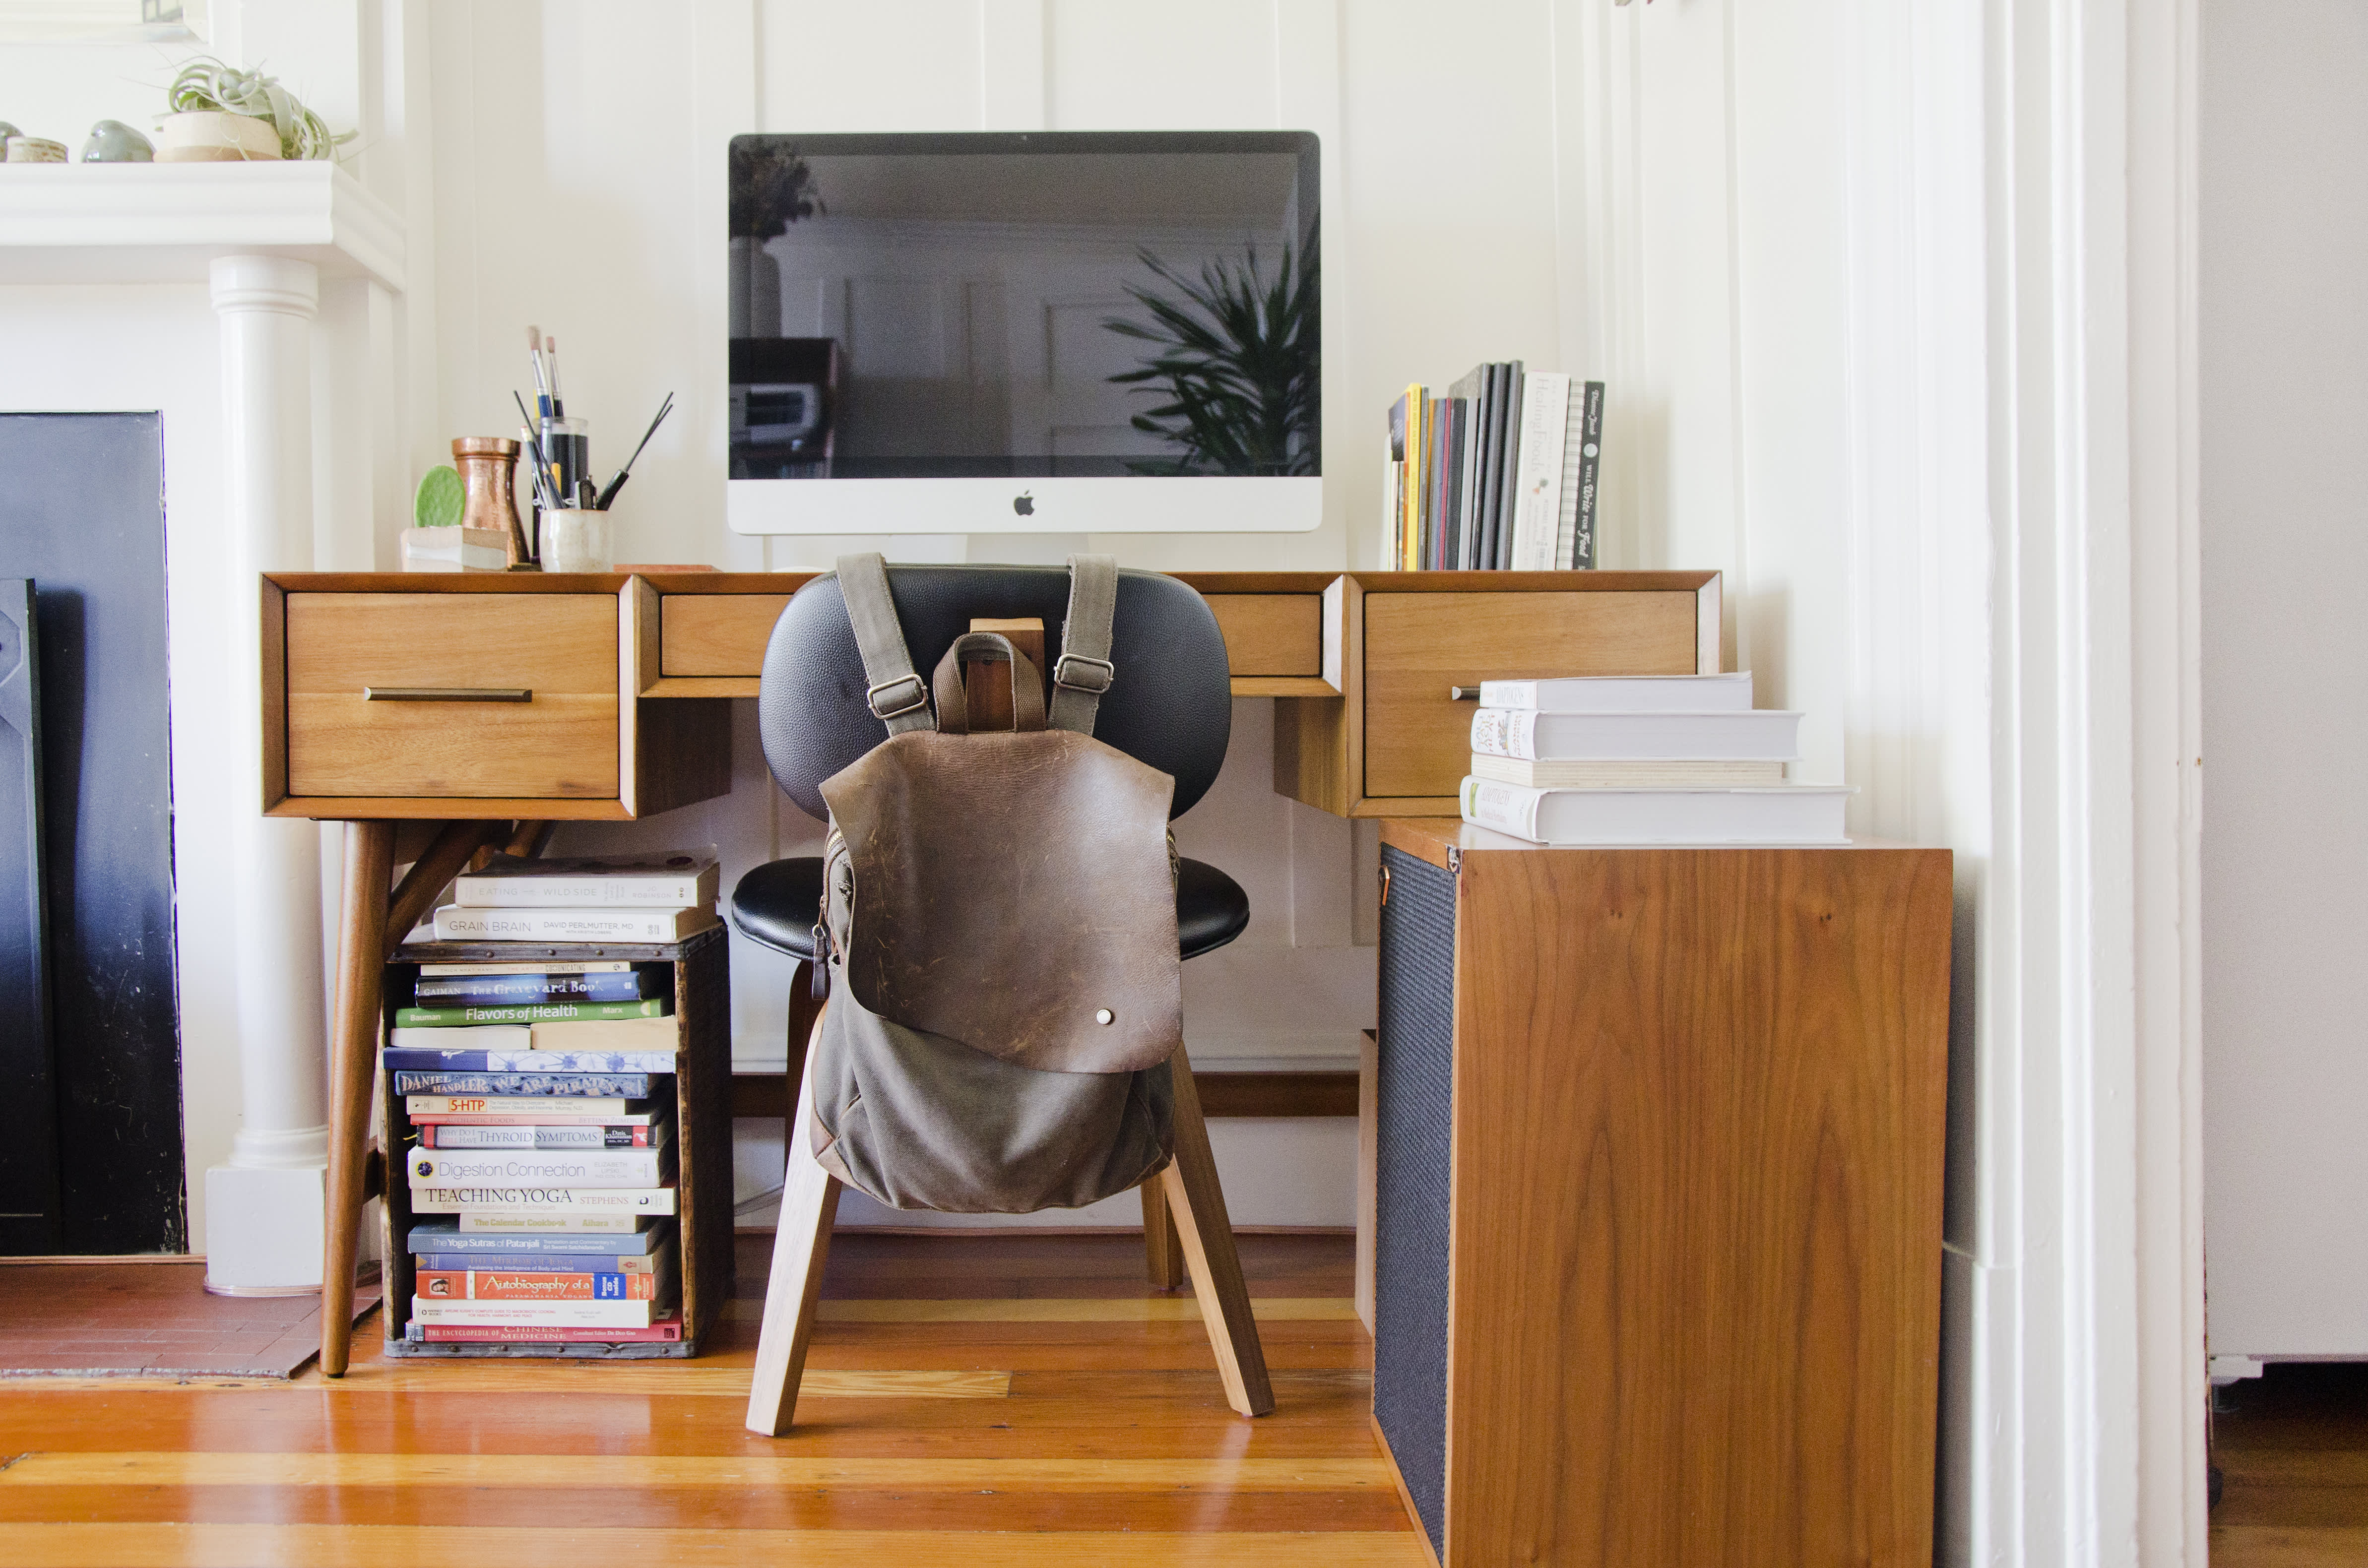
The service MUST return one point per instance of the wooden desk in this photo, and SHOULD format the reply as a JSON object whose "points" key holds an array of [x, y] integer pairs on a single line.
{"points": [[495, 704]]}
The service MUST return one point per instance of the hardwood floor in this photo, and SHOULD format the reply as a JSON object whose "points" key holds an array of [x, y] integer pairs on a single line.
{"points": [[2294, 1456], [996, 1400]]}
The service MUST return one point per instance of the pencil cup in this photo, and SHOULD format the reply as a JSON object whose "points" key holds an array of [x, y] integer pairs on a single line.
{"points": [[575, 541]]}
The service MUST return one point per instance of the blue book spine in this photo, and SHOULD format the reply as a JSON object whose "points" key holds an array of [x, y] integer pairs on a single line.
{"points": [[602, 1264], [620, 1085], [503, 990], [445, 1238], [429, 1059]]}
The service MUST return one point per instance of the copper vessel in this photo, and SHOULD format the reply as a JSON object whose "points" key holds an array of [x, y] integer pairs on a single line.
{"points": [[488, 466]]}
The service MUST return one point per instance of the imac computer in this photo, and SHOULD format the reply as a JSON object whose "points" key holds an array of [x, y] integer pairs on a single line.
{"points": [[1041, 332]]}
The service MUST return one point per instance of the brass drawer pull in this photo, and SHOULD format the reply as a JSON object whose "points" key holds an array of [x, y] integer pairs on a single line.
{"points": [[446, 694], [1463, 693]]}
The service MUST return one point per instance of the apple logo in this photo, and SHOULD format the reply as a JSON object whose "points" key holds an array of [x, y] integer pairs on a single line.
{"points": [[1024, 505]]}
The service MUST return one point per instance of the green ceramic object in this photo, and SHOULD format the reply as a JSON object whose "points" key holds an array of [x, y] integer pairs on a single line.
{"points": [[437, 505], [112, 141]]}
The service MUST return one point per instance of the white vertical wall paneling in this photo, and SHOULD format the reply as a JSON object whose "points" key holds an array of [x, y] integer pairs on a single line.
{"points": [[1013, 40]]}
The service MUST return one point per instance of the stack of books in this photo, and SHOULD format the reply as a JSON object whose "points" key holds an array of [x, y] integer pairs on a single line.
{"points": [[539, 1096], [1641, 759], [1499, 474]]}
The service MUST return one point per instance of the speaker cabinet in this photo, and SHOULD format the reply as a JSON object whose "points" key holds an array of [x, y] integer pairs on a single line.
{"points": [[1658, 1168]]}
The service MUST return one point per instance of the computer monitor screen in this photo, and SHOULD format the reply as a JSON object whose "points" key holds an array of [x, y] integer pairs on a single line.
{"points": [[1025, 331]]}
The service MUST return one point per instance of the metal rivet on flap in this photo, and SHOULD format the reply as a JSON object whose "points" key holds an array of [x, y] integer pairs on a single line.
{"points": [[1104, 1016]]}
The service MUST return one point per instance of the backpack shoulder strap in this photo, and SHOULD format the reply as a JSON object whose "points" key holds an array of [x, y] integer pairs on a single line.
{"points": [[899, 697], [1084, 671]]}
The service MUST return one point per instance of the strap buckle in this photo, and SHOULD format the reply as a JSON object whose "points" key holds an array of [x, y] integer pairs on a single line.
{"points": [[920, 697], [1101, 673]]}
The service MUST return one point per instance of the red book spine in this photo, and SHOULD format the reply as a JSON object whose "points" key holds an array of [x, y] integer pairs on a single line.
{"points": [[504, 1285], [667, 1333]]}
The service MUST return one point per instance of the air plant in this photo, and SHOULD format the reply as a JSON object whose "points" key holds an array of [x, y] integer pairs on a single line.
{"points": [[772, 187], [1239, 363], [206, 84]]}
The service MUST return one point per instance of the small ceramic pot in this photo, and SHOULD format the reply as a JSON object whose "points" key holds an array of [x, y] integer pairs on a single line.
{"points": [[112, 141], [210, 136], [575, 541], [35, 149]]}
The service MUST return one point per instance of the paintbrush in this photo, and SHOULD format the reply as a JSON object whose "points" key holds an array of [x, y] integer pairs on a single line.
{"points": [[551, 352], [545, 476], [601, 504]]}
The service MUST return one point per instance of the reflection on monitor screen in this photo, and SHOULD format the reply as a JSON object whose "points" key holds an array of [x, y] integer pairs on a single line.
{"points": [[1025, 307]]}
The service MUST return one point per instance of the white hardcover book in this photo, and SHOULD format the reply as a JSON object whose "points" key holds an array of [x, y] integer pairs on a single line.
{"points": [[462, 923], [1622, 694], [529, 1199], [1622, 773], [539, 1167], [545, 1222], [1537, 475], [455, 1311], [1753, 734], [638, 1035], [1782, 814], [469, 1037], [634, 881], [530, 966], [1393, 525]]}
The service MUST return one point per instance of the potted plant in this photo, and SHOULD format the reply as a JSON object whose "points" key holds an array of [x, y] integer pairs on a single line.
{"points": [[771, 189], [224, 115]]}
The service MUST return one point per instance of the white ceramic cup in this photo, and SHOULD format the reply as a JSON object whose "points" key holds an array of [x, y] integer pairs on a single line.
{"points": [[575, 541]]}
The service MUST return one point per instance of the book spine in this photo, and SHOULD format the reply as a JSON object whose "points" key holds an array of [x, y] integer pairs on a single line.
{"points": [[1509, 694], [593, 1085], [532, 1262], [1537, 499], [572, 1200], [1505, 731], [1507, 808], [530, 1221], [522, 1333], [426, 1059], [579, 893], [1392, 474], [469, 1014], [529, 968], [1410, 497], [522, 1285], [432, 1310], [418, 1106], [439, 1236], [526, 990], [438, 1135], [1507, 454], [1590, 454], [467, 1167], [455, 923]]}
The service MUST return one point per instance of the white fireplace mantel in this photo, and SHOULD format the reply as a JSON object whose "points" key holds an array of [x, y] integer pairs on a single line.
{"points": [[271, 243], [167, 222]]}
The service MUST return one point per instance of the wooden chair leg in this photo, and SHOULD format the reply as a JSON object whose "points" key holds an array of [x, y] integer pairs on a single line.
{"points": [[1163, 1249], [801, 1247], [1199, 1204], [361, 961]]}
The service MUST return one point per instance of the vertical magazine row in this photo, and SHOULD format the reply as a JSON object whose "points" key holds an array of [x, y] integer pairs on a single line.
{"points": [[1499, 474]]}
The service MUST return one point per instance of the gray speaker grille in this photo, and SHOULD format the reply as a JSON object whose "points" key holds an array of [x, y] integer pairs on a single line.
{"points": [[1418, 1043]]}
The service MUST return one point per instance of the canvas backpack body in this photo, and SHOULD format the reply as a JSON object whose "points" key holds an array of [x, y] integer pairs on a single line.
{"points": [[998, 933]]}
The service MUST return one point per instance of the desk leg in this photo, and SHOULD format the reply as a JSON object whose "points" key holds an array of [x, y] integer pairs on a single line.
{"points": [[361, 961]]}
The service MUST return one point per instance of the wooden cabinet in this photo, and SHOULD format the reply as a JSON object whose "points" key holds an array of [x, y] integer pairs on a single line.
{"points": [[1399, 745], [1657, 1204]]}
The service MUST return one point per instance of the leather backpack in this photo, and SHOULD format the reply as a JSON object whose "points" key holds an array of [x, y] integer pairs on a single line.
{"points": [[998, 931]]}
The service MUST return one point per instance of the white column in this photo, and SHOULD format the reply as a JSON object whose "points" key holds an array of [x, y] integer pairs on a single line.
{"points": [[263, 1208]]}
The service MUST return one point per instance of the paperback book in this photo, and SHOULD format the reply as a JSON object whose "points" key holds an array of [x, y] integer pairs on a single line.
{"points": [[615, 1086], [1758, 734], [435, 1311], [573, 1224], [444, 968], [1632, 774], [495, 1110], [471, 1015], [590, 883], [515, 989], [502, 1168], [600, 1201], [663, 1330], [529, 1134], [538, 1285], [528, 1262], [462, 923], [1785, 814], [403, 1055], [1623, 694], [443, 1236]]}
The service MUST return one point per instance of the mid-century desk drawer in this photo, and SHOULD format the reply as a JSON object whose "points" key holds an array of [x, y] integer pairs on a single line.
{"points": [[1419, 647], [479, 695]]}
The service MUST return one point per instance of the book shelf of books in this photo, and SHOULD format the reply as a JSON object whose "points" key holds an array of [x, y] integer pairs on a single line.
{"points": [[558, 1113], [1500, 473]]}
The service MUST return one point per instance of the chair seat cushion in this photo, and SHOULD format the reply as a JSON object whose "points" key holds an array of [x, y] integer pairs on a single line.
{"points": [[777, 904]]}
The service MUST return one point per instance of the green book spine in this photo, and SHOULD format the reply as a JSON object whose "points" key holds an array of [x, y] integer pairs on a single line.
{"points": [[527, 1013]]}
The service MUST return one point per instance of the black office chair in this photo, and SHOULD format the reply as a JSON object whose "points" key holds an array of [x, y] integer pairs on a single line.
{"points": [[1170, 705]]}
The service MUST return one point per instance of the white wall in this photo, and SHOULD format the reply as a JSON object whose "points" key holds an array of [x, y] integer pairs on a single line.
{"points": [[2285, 541]]}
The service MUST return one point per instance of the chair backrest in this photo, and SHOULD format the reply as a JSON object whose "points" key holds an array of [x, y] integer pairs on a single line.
{"points": [[1170, 704]]}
